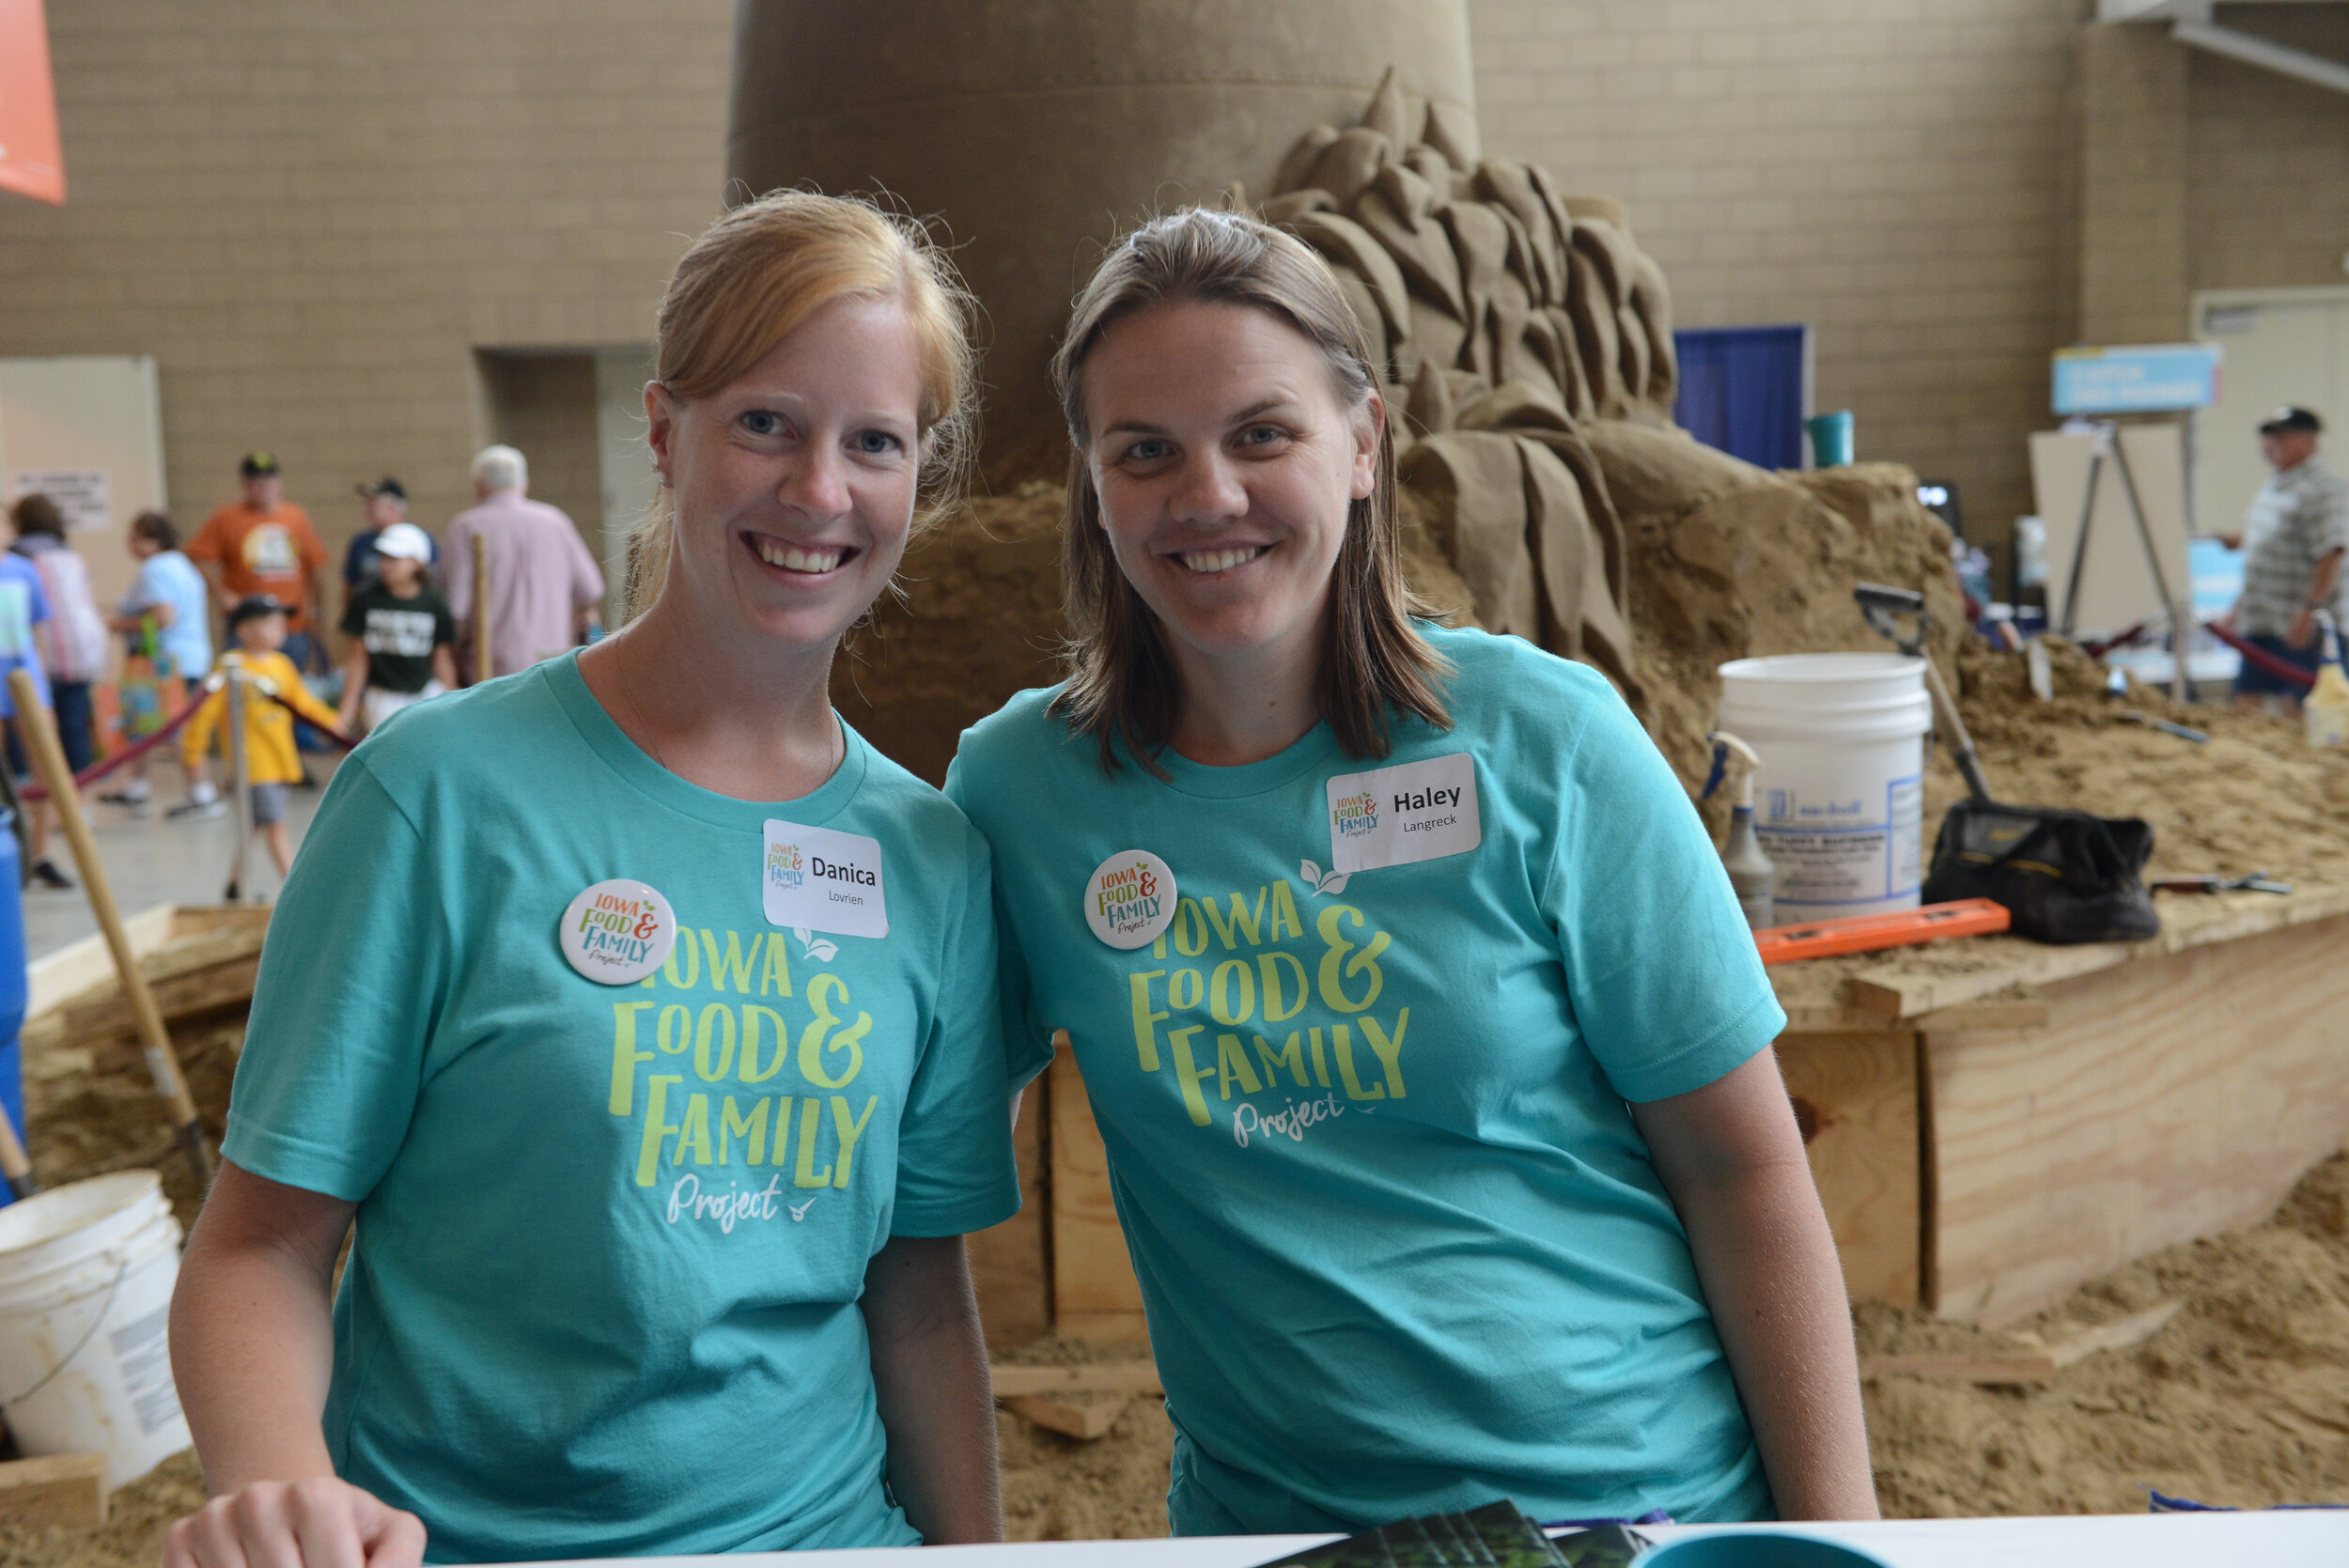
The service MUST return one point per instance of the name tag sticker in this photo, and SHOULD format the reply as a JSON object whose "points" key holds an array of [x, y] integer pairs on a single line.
{"points": [[1417, 811], [819, 881]]}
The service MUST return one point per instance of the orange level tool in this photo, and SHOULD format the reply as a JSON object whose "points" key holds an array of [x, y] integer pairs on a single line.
{"points": [[1930, 923]]}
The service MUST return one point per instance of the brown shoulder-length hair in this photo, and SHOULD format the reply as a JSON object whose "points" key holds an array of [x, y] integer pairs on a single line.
{"points": [[1122, 683]]}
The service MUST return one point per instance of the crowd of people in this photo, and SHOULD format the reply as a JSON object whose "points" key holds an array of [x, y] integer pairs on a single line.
{"points": [[257, 569]]}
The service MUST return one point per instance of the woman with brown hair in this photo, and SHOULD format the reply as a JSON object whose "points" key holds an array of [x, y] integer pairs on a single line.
{"points": [[643, 1018], [1430, 1051]]}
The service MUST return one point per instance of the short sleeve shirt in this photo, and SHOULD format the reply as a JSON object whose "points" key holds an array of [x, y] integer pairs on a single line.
{"points": [[2299, 516], [399, 634], [602, 1301], [166, 577], [24, 605], [258, 553], [1363, 1098]]}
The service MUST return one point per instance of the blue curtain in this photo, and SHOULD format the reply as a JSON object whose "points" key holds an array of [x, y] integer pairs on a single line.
{"points": [[1741, 390]]}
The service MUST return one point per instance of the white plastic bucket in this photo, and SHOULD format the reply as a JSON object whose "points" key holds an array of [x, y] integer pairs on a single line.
{"points": [[86, 1278], [1839, 799]]}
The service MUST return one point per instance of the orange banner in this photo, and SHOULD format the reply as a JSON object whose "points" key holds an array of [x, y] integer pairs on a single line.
{"points": [[31, 160]]}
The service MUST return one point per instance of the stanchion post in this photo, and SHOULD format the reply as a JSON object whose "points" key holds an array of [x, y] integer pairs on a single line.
{"points": [[480, 608], [240, 779], [162, 1063]]}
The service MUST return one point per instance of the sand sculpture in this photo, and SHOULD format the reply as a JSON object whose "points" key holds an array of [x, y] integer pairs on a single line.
{"points": [[1526, 344]]}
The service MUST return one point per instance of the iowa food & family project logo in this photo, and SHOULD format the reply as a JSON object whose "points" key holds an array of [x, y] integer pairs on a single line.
{"points": [[785, 867], [1353, 815], [1130, 896]]}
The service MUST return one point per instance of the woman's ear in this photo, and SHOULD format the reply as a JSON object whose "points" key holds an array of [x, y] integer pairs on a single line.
{"points": [[661, 419], [1369, 426]]}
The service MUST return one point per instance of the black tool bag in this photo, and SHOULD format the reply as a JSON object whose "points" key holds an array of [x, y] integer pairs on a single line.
{"points": [[2066, 876]]}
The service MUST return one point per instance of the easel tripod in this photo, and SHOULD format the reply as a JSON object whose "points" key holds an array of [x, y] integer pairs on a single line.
{"points": [[2108, 446]]}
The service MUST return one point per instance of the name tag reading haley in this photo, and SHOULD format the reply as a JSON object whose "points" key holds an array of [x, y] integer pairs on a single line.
{"points": [[822, 880], [1419, 811]]}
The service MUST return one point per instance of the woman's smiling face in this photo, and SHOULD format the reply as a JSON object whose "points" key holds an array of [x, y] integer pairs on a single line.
{"points": [[794, 486], [1226, 462]]}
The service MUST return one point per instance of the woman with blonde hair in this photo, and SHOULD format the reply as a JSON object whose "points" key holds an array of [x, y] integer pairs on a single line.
{"points": [[643, 1015], [1431, 1054]]}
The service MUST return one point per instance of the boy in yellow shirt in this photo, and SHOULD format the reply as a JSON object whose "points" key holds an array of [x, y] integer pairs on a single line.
{"points": [[271, 762]]}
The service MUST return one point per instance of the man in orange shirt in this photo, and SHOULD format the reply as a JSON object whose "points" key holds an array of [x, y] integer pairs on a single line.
{"points": [[264, 544]]}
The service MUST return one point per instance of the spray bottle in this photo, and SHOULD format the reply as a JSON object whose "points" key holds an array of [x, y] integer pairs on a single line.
{"points": [[2325, 710], [1749, 870]]}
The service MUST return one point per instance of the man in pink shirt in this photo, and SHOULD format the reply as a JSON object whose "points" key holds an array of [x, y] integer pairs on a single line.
{"points": [[544, 586]]}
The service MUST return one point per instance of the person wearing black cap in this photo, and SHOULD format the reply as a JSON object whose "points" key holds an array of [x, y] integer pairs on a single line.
{"points": [[386, 501], [2294, 532], [264, 544], [272, 766]]}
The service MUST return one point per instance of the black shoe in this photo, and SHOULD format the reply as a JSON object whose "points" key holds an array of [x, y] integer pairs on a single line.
{"points": [[229, 895], [48, 875]]}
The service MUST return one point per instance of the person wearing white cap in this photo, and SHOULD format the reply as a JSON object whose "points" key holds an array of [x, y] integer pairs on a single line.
{"points": [[403, 636]]}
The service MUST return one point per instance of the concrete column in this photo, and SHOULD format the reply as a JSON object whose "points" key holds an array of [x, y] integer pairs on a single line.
{"points": [[2133, 277], [1038, 128]]}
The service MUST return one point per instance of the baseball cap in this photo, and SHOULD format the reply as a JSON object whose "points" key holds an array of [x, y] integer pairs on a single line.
{"points": [[2291, 417], [253, 607], [385, 486], [258, 465], [404, 541]]}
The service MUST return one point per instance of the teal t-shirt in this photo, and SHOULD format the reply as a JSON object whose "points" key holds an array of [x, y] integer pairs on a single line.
{"points": [[611, 1239], [1402, 1248]]}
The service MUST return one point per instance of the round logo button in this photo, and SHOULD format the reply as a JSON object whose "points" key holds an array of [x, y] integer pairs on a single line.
{"points": [[1130, 899], [617, 932]]}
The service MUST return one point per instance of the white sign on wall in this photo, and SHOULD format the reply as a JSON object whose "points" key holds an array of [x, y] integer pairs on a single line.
{"points": [[82, 494]]}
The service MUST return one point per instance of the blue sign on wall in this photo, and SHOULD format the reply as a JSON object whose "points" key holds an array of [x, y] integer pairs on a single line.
{"points": [[2148, 377]]}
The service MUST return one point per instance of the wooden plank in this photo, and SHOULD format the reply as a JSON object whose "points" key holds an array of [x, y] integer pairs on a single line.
{"points": [[1856, 1098], [1077, 1416], [102, 1017], [77, 967], [2030, 1363], [1095, 1295], [1093, 1377], [2016, 1007], [1010, 1263], [1908, 989], [2166, 1099], [64, 1489]]}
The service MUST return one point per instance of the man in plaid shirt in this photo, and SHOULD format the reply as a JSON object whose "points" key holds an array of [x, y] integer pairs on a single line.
{"points": [[2296, 529]]}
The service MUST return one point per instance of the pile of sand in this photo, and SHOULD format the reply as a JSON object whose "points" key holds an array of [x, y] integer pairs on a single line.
{"points": [[2256, 798], [2243, 1399]]}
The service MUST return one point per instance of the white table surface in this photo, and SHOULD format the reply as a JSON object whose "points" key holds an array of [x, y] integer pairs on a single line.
{"points": [[2276, 1540]]}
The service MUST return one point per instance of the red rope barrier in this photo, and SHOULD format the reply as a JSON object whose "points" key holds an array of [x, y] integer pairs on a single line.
{"points": [[2259, 658], [98, 770], [104, 766]]}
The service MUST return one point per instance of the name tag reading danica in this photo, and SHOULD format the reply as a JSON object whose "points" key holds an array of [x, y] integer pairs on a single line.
{"points": [[1417, 811], [815, 878]]}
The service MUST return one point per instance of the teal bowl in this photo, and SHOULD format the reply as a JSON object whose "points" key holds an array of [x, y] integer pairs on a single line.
{"points": [[1759, 1550]]}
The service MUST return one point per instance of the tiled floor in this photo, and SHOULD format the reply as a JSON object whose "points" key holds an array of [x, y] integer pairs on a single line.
{"points": [[156, 860]]}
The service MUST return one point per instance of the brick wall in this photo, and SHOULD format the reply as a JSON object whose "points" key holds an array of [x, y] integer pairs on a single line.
{"points": [[1895, 172], [313, 214], [2269, 160]]}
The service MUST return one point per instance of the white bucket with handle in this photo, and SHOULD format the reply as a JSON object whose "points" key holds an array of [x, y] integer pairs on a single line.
{"points": [[86, 1278], [1839, 797]]}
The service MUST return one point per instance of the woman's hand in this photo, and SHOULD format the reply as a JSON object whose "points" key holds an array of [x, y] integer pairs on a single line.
{"points": [[319, 1522], [252, 1350]]}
